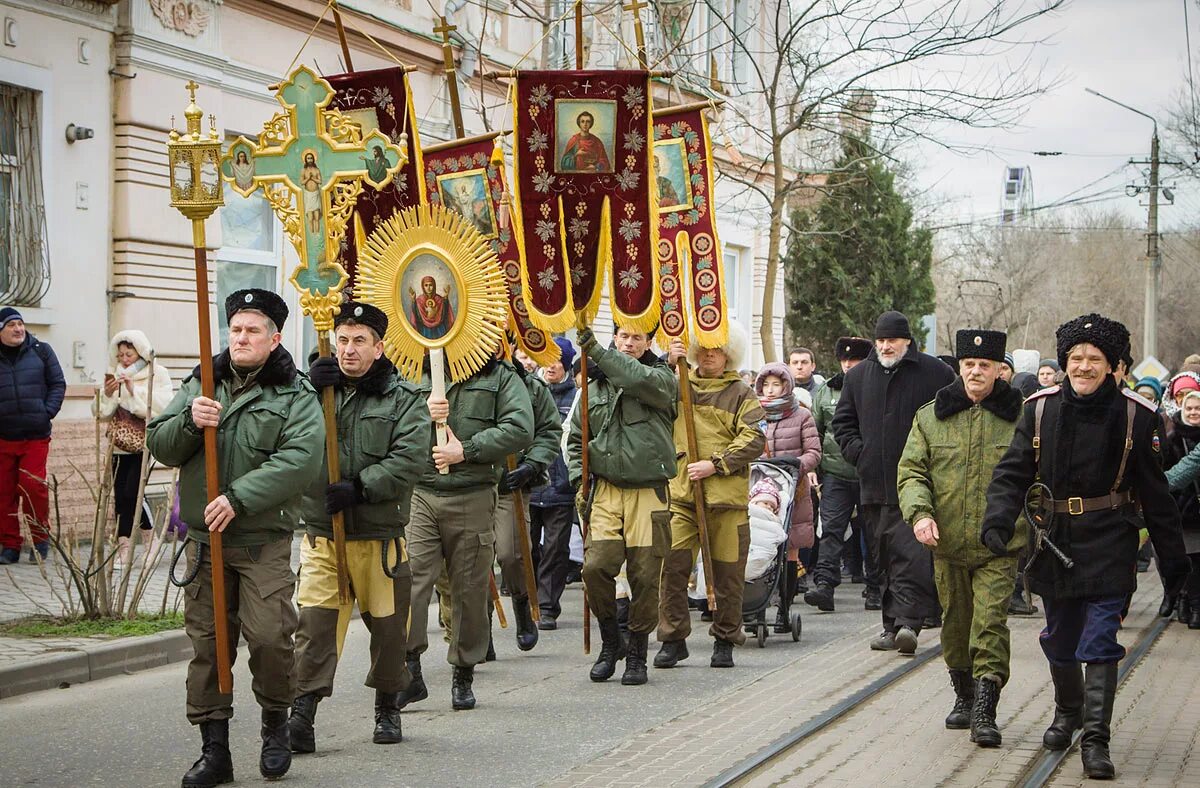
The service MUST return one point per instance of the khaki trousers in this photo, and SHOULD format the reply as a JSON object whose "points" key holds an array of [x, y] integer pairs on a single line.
{"points": [[383, 602], [729, 538], [258, 594], [631, 526], [974, 599], [455, 529]]}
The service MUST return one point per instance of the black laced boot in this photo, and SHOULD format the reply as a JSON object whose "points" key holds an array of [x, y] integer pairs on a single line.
{"points": [[611, 650], [959, 718], [276, 756], [635, 660], [1099, 691], [387, 718], [722, 656], [527, 631], [301, 734], [671, 653], [1068, 706], [461, 696], [416, 686], [215, 765], [984, 731]]}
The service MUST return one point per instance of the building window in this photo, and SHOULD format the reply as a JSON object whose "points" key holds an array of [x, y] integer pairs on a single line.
{"points": [[249, 254], [24, 255], [730, 270]]}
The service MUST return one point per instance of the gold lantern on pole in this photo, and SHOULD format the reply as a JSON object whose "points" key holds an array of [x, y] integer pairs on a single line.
{"points": [[193, 161]]}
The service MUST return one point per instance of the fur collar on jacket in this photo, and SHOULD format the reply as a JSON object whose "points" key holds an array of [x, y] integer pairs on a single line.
{"points": [[1004, 401], [837, 381], [377, 380], [279, 370]]}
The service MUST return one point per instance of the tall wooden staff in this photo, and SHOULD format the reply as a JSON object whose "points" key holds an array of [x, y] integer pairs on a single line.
{"points": [[196, 193]]}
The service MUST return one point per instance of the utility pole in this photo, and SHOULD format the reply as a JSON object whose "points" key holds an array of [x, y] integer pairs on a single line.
{"points": [[1153, 258]]}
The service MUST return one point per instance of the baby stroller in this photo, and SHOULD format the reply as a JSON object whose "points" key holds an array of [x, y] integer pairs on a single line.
{"points": [[772, 586]]}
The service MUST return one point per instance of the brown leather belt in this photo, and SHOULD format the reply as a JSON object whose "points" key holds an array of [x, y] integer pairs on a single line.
{"points": [[1077, 506]]}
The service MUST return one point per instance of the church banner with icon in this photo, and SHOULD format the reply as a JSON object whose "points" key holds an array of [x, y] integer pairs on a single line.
{"points": [[691, 287], [467, 176], [582, 175], [380, 100]]}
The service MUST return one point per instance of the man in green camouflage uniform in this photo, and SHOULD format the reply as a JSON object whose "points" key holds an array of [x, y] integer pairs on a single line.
{"points": [[953, 447]]}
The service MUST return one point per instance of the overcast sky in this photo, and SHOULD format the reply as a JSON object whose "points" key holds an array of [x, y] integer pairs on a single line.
{"points": [[1132, 50]]}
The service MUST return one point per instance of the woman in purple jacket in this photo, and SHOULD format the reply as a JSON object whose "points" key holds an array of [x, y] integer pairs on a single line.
{"points": [[791, 431]]}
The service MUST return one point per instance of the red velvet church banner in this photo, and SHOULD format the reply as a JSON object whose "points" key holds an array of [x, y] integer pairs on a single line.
{"points": [[380, 99], [582, 177], [467, 176], [691, 289]]}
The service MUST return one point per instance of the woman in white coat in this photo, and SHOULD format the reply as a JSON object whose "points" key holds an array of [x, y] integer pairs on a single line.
{"points": [[127, 403]]}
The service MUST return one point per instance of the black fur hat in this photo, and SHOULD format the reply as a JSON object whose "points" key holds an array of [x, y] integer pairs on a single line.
{"points": [[980, 343], [263, 301], [1110, 336], [364, 314], [853, 348]]}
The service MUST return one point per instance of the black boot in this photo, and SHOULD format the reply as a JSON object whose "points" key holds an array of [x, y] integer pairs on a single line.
{"points": [[461, 696], [1019, 606], [276, 757], [1167, 608], [623, 616], [959, 718], [722, 656], [387, 718], [1194, 615], [983, 716], [215, 765], [610, 650], [635, 660], [300, 725], [527, 633], [821, 598], [671, 653], [416, 686], [1183, 610], [872, 600], [1099, 691], [1068, 706]]}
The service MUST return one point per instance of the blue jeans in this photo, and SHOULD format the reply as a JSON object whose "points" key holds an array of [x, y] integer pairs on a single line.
{"points": [[1082, 630]]}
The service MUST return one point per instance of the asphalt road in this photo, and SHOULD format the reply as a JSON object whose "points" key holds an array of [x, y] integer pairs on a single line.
{"points": [[538, 715]]}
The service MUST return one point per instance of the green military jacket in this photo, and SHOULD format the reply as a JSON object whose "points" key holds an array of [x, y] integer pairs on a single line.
{"points": [[491, 415], [381, 423], [728, 419], [547, 427], [631, 411], [824, 404], [270, 445], [947, 464]]}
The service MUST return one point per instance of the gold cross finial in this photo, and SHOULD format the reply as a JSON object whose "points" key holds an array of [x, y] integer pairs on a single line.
{"points": [[444, 29], [193, 113], [635, 7], [192, 86]]}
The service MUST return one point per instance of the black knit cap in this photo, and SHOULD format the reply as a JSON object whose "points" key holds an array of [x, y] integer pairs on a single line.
{"points": [[1108, 335], [259, 300], [364, 314], [853, 348], [980, 343], [892, 325]]}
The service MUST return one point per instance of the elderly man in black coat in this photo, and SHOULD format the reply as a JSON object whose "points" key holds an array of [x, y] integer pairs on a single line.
{"points": [[871, 424], [1093, 450]]}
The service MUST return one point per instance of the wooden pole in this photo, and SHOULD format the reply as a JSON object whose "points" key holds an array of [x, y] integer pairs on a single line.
{"points": [[444, 29], [437, 390], [689, 427], [522, 532], [496, 600], [341, 31], [333, 462], [578, 36], [585, 486], [212, 482], [635, 7]]}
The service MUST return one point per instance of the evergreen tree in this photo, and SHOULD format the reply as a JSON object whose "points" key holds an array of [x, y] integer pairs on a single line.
{"points": [[854, 255]]}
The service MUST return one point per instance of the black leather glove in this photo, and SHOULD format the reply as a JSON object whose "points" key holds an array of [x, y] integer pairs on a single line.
{"points": [[517, 478], [587, 340], [324, 372], [342, 495], [995, 541]]}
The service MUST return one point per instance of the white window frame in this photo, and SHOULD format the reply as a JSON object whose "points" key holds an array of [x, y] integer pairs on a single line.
{"points": [[733, 284]]}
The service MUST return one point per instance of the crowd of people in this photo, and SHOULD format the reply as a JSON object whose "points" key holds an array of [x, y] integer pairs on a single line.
{"points": [[937, 484]]}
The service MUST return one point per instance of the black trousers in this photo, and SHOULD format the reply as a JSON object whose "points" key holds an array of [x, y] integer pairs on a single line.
{"points": [[905, 568], [839, 497], [127, 475], [550, 532]]}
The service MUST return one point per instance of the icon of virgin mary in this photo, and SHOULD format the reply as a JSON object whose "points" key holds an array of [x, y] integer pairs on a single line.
{"points": [[431, 313]]}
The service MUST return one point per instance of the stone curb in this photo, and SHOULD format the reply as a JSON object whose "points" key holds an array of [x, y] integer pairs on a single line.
{"points": [[92, 662]]}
